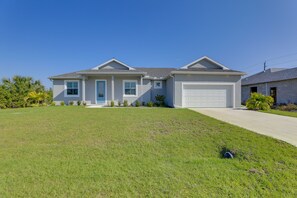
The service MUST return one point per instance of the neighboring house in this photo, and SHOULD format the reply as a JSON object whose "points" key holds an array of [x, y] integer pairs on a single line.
{"points": [[202, 83], [280, 83]]}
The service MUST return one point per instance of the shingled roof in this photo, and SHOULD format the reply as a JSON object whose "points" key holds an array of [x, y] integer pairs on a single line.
{"points": [[196, 67], [270, 75]]}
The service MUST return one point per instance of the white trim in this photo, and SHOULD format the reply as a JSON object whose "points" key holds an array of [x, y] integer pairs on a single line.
{"points": [[65, 89], [207, 83], [207, 73], [83, 89], [202, 58], [136, 81], [156, 81], [112, 87], [112, 60], [105, 90], [141, 89]]}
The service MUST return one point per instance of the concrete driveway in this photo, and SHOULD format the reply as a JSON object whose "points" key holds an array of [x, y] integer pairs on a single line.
{"points": [[280, 127]]}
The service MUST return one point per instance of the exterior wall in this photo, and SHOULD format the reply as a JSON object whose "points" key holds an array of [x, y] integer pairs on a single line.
{"points": [[91, 86], [144, 95], [146, 92], [158, 91], [59, 89], [286, 91], [169, 92], [179, 78], [118, 89]]}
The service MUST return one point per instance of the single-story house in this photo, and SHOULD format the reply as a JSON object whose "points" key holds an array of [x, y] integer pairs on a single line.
{"points": [[280, 83], [202, 83]]}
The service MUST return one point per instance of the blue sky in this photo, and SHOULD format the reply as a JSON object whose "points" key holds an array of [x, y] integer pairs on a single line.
{"points": [[44, 38]]}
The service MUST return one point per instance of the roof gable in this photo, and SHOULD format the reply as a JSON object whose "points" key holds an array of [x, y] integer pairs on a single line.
{"points": [[113, 64], [204, 63]]}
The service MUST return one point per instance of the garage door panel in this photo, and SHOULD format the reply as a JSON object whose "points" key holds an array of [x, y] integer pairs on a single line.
{"points": [[207, 95]]}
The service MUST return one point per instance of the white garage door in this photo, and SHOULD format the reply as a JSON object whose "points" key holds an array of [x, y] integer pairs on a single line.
{"points": [[207, 96]]}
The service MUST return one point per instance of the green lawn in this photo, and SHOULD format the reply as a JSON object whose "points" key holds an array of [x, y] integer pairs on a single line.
{"points": [[128, 152], [283, 113]]}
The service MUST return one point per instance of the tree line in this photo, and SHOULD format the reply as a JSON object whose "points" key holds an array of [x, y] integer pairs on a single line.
{"points": [[21, 91]]}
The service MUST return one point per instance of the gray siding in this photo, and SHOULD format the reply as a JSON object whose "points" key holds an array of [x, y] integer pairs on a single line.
{"points": [[179, 78], [146, 95], [158, 91], [286, 90], [114, 65], [169, 92], [91, 86], [58, 92], [118, 89], [205, 64]]}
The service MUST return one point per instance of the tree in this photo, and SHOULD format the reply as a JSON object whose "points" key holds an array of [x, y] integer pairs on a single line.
{"points": [[15, 92]]}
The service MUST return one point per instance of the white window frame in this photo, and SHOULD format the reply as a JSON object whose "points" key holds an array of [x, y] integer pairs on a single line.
{"points": [[155, 84], [65, 88], [136, 91]]}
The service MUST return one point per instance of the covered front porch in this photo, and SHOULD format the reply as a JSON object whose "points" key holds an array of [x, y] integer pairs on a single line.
{"points": [[100, 90]]}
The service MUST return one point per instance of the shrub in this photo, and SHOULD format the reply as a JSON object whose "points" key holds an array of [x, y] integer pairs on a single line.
{"points": [[137, 103], [53, 104], [258, 101], [78, 103], [2, 106], [160, 100], [125, 103], [62, 103], [35, 105], [119, 103], [150, 104], [288, 107], [84, 103], [112, 103], [71, 103]]}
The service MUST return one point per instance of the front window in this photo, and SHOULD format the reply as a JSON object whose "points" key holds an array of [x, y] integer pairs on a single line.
{"points": [[273, 94], [157, 84], [71, 88], [254, 90], [130, 88]]}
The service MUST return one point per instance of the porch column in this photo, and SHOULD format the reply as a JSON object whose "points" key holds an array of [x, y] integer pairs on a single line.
{"points": [[84, 89], [112, 88], [141, 88]]}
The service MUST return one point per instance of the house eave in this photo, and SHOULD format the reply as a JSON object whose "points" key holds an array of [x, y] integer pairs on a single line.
{"points": [[111, 73], [64, 78], [207, 73], [263, 82]]}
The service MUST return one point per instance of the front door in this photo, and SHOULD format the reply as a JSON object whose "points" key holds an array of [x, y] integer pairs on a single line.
{"points": [[273, 94], [101, 91]]}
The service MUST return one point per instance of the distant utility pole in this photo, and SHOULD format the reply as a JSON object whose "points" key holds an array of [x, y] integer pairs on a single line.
{"points": [[265, 66]]}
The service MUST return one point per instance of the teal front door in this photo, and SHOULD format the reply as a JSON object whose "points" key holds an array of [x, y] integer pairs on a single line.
{"points": [[101, 91]]}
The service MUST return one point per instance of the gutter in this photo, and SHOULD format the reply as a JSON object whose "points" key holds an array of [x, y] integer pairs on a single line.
{"points": [[111, 73], [64, 78], [207, 72]]}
